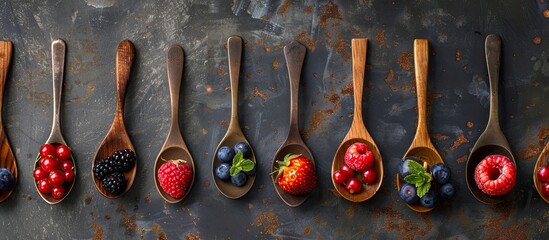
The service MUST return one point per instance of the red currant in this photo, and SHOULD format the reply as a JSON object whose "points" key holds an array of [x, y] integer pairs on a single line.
{"points": [[39, 174], [47, 150], [353, 185], [62, 152], [543, 173], [67, 165], [44, 186], [347, 170], [369, 175], [56, 178], [339, 177], [369, 158], [545, 189], [58, 192], [69, 175], [49, 164]]}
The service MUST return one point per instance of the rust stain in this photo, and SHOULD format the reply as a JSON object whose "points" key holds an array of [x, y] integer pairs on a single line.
{"points": [[462, 159], [458, 56], [248, 75], [537, 40], [98, 231], [317, 120], [219, 71], [269, 221], [543, 133], [303, 36], [41, 98], [285, 6], [529, 152], [88, 199], [393, 88], [192, 236], [404, 87], [260, 42], [127, 220], [334, 99], [330, 11], [341, 46], [458, 142], [263, 95], [380, 38], [224, 123], [162, 236], [390, 76], [546, 13], [307, 230], [348, 89], [495, 225], [276, 64], [147, 198], [206, 184], [309, 9], [204, 132], [405, 228], [439, 137], [350, 211], [267, 49], [405, 61], [470, 124], [155, 228]]}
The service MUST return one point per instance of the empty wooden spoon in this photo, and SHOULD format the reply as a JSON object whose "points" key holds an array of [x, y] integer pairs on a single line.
{"points": [[234, 134], [117, 138], [294, 54], [56, 137], [542, 160], [7, 159], [491, 141], [421, 147], [174, 147], [358, 132]]}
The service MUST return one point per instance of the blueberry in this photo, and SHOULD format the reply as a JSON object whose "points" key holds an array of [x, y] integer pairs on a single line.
{"points": [[440, 173], [447, 190], [428, 200], [408, 193], [244, 148], [225, 154], [239, 179], [6, 180], [251, 172], [223, 171], [403, 169]]}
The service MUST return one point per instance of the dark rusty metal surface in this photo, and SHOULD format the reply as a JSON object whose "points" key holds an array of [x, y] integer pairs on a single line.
{"points": [[458, 111]]}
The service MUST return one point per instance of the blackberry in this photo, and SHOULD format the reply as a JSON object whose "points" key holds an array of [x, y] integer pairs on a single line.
{"points": [[124, 160], [104, 168], [114, 183]]}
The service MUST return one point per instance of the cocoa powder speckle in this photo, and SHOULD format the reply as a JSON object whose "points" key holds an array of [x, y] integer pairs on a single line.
{"points": [[439, 137], [330, 12], [405, 61], [380, 38], [98, 232], [268, 220], [462, 159], [348, 89], [529, 152], [458, 142], [260, 94], [317, 119]]}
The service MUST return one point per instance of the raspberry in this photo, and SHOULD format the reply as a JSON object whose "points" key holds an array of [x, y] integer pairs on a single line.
{"points": [[359, 157], [174, 177], [495, 175]]}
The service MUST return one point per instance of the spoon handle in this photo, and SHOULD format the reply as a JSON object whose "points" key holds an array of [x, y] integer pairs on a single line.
{"points": [[175, 72], [58, 65], [493, 53], [295, 55], [234, 44], [421, 62], [125, 54], [6, 49], [359, 50]]}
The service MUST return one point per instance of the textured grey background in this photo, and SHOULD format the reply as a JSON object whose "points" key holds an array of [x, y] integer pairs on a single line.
{"points": [[458, 111]]}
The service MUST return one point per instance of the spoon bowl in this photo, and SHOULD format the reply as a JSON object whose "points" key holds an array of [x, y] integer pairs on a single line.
{"points": [[491, 141], [358, 132], [7, 159], [295, 55], [174, 147], [117, 138], [234, 134], [542, 160]]}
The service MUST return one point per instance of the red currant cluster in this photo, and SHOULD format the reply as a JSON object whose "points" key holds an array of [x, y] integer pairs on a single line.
{"points": [[54, 170]]}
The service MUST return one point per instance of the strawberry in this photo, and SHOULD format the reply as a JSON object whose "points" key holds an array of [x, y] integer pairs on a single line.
{"points": [[174, 177], [296, 175], [359, 157], [495, 175]]}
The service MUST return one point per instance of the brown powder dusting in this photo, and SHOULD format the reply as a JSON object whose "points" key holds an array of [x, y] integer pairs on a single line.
{"points": [[303, 36], [269, 221], [404, 87], [439, 137], [546, 13], [405, 228], [192, 236], [88, 200], [348, 89], [98, 231], [162, 236], [543, 134], [462, 159], [155, 228], [470, 124], [206, 184], [309, 9], [330, 11], [260, 42], [529, 152], [380, 38], [276, 64], [390, 76], [284, 7], [307, 230], [458, 56], [537, 40], [317, 120], [127, 220], [458, 142], [334, 99], [340, 47], [350, 211], [263, 95], [405, 61], [219, 71], [393, 88]]}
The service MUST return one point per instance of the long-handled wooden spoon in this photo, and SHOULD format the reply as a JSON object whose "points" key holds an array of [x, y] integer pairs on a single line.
{"points": [[234, 134], [358, 132], [174, 147], [542, 160], [7, 159], [294, 54], [56, 137], [491, 141], [421, 147], [117, 138]]}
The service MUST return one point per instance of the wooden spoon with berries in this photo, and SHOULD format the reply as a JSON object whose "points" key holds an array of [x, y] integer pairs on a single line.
{"points": [[360, 181], [294, 155], [541, 174], [54, 168], [7, 159]]}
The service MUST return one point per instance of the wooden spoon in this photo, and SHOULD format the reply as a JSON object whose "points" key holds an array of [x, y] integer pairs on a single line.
{"points": [[234, 134], [294, 54], [491, 141], [7, 159], [358, 132], [421, 147], [542, 160], [117, 138], [174, 147], [56, 137]]}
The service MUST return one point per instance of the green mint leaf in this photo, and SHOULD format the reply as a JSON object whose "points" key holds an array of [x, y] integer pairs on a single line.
{"points": [[234, 170], [238, 158], [426, 177], [423, 189], [416, 179], [415, 167], [247, 165]]}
